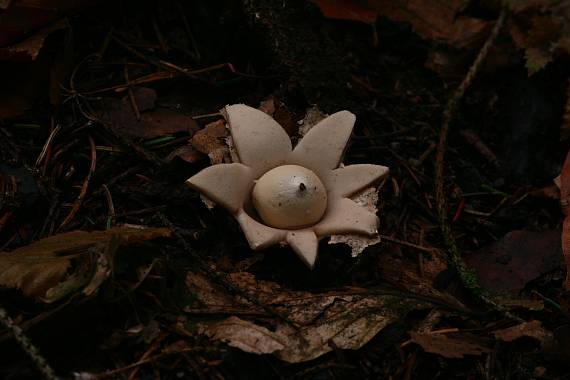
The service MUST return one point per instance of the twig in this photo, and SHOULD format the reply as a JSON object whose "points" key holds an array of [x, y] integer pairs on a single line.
{"points": [[47, 146], [467, 277], [406, 244], [111, 206], [84, 187], [28, 347]]}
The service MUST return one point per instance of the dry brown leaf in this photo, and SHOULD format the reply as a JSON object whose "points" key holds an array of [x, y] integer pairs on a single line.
{"points": [[347, 10], [280, 113], [345, 319], [434, 20], [246, 336], [506, 266], [24, 17], [448, 346], [547, 31], [54, 267], [349, 323], [531, 329], [153, 122], [212, 141], [29, 49]]}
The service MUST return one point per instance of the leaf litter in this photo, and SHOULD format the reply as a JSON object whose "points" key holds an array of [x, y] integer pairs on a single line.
{"points": [[402, 288], [320, 322], [55, 267]]}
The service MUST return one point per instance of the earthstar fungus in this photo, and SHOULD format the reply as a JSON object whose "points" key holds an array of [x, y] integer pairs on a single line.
{"points": [[290, 196]]}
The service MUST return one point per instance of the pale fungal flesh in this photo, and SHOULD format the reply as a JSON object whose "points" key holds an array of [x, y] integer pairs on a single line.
{"points": [[268, 160], [289, 196]]}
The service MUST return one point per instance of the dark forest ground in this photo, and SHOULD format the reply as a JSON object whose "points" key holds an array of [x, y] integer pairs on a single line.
{"points": [[290, 52]]}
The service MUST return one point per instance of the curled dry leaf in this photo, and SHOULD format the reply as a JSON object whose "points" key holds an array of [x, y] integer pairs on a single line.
{"points": [[55, 267], [212, 141], [531, 329], [453, 347], [346, 319]]}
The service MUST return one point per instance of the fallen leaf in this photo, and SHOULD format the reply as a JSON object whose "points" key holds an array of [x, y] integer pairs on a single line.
{"points": [[452, 347], [407, 274], [212, 141], [54, 267], [29, 49], [518, 258], [145, 98], [186, 153], [344, 319], [543, 32], [246, 336], [278, 111], [22, 18], [153, 122], [347, 324], [531, 329], [437, 21], [353, 10], [22, 84]]}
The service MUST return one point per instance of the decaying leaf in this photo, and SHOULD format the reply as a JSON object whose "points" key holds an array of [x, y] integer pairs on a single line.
{"points": [[344, 319], [449, 346], [542, 29], [22, 18], [531, 329], [280, 113], [519, 257], [29, 49], [347, 10], [212, 141], [186, 153], [543, 33], [55, 267], [153, 123], [435, 20]]}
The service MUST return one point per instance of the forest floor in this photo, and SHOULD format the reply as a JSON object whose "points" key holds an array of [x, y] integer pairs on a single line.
{"points": [[111, 267]]}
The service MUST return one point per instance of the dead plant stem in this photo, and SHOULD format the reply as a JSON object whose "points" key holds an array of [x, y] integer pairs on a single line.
{"points": [[449, 112], [27, 346]]}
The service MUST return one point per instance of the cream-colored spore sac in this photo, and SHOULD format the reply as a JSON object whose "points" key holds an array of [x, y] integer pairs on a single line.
{"points": [[290, 196]]}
